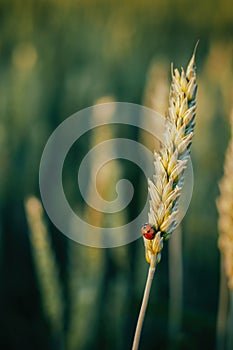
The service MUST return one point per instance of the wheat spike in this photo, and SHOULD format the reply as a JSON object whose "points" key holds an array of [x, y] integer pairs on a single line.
{"points": [[45, 263], [225, 208], [171, 160]]}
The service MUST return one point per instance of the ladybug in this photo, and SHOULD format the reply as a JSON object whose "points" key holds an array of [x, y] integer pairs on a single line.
{"points": [[148, 231]]}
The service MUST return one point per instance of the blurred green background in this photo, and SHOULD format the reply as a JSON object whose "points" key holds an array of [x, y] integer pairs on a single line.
{"points": [[57, 57]]}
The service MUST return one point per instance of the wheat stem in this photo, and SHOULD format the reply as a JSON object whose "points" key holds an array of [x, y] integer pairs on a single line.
{"points": [[142, 312]]}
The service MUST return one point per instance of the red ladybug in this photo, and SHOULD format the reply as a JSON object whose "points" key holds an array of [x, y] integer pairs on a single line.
{"points": [[148, 231]]}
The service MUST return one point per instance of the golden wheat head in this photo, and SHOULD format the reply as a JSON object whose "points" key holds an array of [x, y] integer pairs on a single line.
{"points": [[171, 160]]}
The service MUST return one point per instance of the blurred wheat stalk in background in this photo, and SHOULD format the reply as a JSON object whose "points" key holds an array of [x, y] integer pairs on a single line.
{"points": [[225, 224], [46, 269], [88, 266], [170, 163], [157, 87]]}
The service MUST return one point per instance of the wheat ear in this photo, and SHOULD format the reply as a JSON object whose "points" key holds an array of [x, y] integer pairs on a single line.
{"points": [[225, 224], [225, 205], [170, 163], [46, 265]]}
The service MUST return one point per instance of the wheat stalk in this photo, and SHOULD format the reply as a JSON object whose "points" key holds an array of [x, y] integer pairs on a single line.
{"points": [[225, 224], [170, 163], [225, 206], [46, 265]]}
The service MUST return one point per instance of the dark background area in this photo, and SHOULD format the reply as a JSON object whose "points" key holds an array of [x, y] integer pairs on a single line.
{"points": [[58, 57]]}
